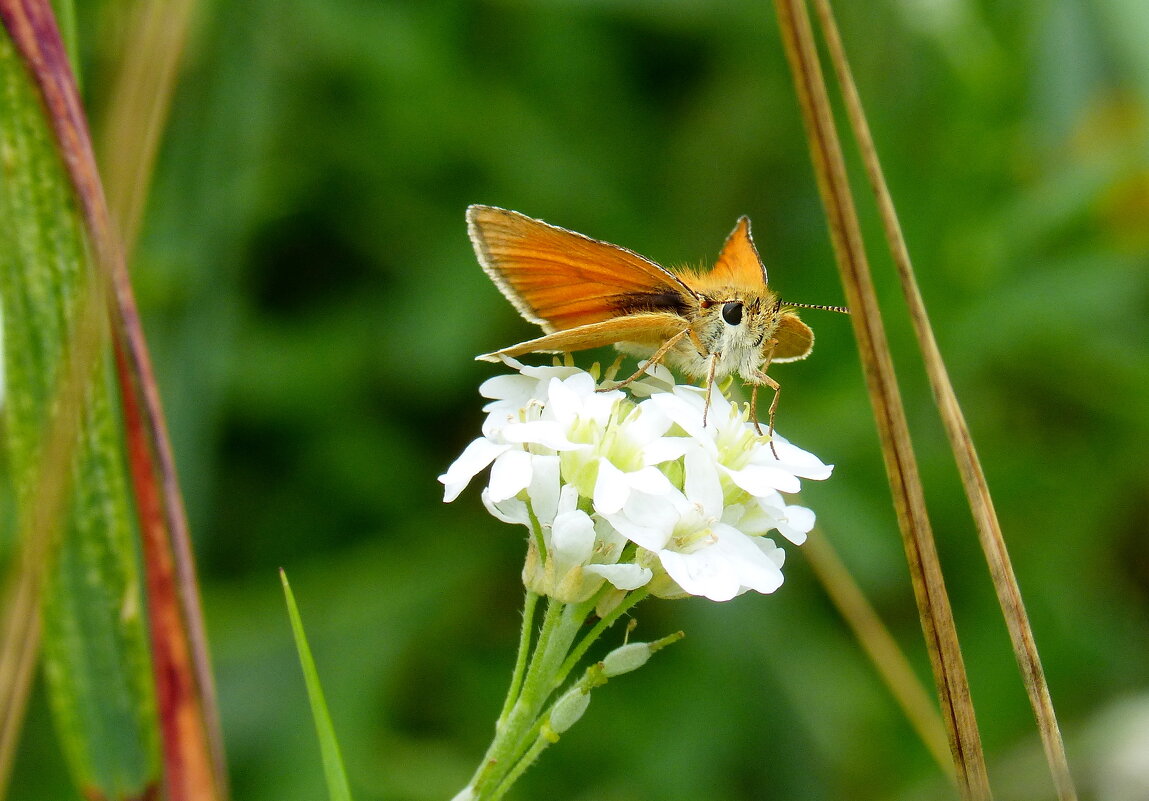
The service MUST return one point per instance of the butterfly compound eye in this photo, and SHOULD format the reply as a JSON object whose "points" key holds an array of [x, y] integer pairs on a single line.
{"points": [[732, 312]]}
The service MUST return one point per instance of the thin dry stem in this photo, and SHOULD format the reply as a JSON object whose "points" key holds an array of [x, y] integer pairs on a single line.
{"points": [[19, 647], [880, 646], [901, 467], [138, 110], [973, 478]]}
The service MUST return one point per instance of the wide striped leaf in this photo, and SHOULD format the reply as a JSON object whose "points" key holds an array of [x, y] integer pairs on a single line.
{"points": [[94, 639]]}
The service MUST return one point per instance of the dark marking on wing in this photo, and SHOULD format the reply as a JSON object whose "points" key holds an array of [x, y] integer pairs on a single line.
{"points": [[667, 301]]}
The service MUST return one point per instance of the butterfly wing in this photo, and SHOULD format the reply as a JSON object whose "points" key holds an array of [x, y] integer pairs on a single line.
{"points": [[738, 265], [795, 338], [561, 280], [645, 328]]}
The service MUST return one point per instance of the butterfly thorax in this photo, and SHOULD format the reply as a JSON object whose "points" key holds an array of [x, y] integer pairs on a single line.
{"points": [[734, 324]]}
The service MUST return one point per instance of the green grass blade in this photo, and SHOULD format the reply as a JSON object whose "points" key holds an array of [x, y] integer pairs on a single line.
{"points": [[337, 787]]}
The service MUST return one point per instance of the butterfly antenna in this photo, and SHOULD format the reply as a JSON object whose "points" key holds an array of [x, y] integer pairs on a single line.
{"points": [[840, 309]]}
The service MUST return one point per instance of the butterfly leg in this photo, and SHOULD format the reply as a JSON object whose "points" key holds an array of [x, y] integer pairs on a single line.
{"points": [[654, 359], [759, 379], [712, 366]]}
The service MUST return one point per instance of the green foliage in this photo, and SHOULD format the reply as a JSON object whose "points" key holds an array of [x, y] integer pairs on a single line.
{"points": [[333, 771], [314, 307], [95, 656]]}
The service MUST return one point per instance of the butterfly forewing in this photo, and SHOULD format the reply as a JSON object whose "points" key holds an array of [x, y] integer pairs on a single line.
{"points": [[560, 279], [738, 265]]}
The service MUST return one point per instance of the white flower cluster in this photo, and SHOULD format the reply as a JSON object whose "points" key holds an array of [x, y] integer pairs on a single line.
{"points": [[633, 489]]}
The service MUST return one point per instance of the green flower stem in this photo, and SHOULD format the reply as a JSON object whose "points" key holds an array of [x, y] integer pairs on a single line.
{"points": [[542, 740], [536, 529], [561, 625], [529, 605], [522, 730], [543, 734], [603, 624]]}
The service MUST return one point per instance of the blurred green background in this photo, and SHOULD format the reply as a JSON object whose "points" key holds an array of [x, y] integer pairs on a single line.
{"points": [[313, 306]]}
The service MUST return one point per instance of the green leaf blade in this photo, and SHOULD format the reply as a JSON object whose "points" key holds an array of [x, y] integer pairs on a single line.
{"points": [[337, 786], [95, 648]]}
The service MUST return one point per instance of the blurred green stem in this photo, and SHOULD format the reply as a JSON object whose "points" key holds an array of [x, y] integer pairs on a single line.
{"points": [[524, 704], [529, 606], [525, 726], [603, 624]]}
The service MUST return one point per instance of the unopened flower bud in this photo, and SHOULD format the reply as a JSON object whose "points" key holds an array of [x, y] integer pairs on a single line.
{"points": [[626, 658], [568, 709]]}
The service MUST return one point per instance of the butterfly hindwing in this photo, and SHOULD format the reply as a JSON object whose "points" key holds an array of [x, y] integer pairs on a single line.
{"points": [[650, 329]]}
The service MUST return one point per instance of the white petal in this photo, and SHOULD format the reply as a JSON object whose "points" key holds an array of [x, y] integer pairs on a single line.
{"points": [[562, 401], [624, 577], [506, 387], [600, 406], [721, 410], [568, 499], [547, 433], [797, 461], [702, 483], [649, 480], [760, 480], [756, 567], [702, 573], [661, 374], [572, 540], [545, 487], [796, 524], [580, 383], [646, 423], [755, 518], [476, 456], [510, 475], [514, 364], [511, 510], [568, 398], [544, 373], [610, 542], [610, 488], [772, 551], [721, 570], [665, 449], [648, 520], [685, 409], [497, 420], [657, 379]]}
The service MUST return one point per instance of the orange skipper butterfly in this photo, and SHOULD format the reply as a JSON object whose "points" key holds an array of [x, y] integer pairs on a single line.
{"points": [[585, 293]]}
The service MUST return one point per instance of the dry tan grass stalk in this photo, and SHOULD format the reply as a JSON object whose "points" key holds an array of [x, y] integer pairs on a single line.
{"points": [[973, 478], [138, 108], [901, 467], [880, 646]]}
